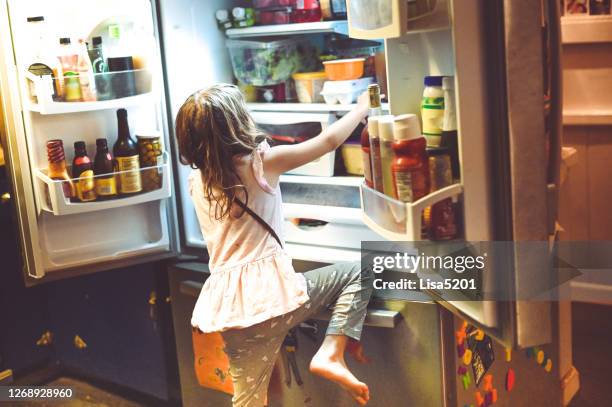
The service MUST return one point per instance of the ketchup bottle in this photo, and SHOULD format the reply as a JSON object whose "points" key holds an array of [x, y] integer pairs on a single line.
{"points": [[410, 167]]}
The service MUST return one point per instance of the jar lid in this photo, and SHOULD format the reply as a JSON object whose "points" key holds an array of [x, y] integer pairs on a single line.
{"points": [[152, 134], [385, 127], [406, 127], [433, 80]]}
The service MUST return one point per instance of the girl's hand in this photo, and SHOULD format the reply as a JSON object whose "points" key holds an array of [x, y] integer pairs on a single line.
{"points": [[363, 102]]}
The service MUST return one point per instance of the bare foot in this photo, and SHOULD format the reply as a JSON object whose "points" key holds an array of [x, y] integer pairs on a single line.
{"points": [[335, 370]]}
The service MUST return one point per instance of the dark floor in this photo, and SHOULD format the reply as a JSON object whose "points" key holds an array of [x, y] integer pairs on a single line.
{"points": [[592, 336], [85, 395]]}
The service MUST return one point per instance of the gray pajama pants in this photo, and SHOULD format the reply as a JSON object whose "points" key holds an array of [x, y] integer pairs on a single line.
{"points": [[252, 351]]}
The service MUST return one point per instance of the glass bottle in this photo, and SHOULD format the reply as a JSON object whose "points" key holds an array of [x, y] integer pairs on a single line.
{"points": [[385, 132], [126, 156], [57, 167], [83, 174], [105, 181], [372, 128]]}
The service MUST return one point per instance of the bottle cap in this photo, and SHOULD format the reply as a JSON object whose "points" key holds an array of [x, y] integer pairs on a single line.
{"points": [[79, 145], [35, 19], [433, 80], [96, 41], [119, 64], [406, 127], [222, 15], [373, 126], [101, 142], [448, 83], [121, 113], [64, 40], [385, 127], [114, 31], [239, 13]]}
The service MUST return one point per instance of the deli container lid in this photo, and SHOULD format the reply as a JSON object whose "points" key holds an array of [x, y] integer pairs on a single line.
{"points": [[309, 75], [406, 127], [433, 80], [335, 87]]}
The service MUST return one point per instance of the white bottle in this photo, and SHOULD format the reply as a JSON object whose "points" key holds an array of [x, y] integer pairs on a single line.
{"points": [[432, 110]]}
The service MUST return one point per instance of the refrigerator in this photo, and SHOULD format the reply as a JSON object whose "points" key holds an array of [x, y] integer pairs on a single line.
{"points": [[504, 57]]}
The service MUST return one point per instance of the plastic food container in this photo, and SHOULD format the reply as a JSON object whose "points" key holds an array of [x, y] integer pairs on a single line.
{"points": [[150, 153], [344, 69], [344, 92], [282, 15], [264, 62], [309, 85], [273, 3], [353, 158]]}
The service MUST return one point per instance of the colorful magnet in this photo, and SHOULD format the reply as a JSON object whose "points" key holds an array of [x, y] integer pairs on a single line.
{"points": [[487, 382], [460, 337], [464, 325], [461, 350], [461, 370], [510, 379], [479, 335], [465, 380], [540, 357], [529, 352], [488, 399], [479, 399], [508, 354], [494, 395], [467, 357], [549, 365]]}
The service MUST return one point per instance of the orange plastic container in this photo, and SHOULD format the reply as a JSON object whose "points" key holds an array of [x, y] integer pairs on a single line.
{"points": [[344, 69]]}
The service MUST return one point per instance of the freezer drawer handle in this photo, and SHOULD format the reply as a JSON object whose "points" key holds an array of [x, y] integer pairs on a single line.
{"points": [[379, 318], [190, 288]]}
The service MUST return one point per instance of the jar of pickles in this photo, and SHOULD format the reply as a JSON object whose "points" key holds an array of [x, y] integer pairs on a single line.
{"points": [[150, 152]]}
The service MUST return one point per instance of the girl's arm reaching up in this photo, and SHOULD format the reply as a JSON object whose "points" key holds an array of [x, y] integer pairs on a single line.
{"points": [[281, 159]]}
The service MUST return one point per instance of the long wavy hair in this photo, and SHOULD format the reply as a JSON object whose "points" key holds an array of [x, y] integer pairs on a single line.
{"points": [[212, 127]]}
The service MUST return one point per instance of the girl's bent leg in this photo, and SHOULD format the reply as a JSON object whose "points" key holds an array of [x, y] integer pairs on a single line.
{"points": [[252, 353]]}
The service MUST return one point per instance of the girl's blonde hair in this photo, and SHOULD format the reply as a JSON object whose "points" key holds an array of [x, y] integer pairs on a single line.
{"points": [[212, 127]]}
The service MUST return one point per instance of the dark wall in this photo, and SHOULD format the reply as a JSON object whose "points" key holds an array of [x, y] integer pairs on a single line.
{"points": [[122, 316]]}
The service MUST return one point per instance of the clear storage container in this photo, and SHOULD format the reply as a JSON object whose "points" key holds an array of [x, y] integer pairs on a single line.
{"points": [[264, 62], [279, 15], [273, 3]]}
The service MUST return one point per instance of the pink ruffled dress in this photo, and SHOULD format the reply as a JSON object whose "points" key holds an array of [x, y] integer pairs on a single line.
{"points": [[252, 278]]}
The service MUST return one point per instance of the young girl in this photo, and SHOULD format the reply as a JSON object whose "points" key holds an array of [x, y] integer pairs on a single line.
{"points": [[253, 295]]}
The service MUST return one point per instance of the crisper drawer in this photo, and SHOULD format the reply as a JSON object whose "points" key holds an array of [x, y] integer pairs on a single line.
{"points": [[324, 215]]}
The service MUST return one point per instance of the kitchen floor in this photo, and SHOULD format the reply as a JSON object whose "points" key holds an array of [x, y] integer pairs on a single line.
{"points": [[86, 395]]}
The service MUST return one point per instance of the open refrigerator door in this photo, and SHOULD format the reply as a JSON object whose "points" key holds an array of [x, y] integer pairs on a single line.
{"points": [[68, 70]]}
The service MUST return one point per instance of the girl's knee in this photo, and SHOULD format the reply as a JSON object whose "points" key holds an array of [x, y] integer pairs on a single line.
{"points": [[361, 273]]}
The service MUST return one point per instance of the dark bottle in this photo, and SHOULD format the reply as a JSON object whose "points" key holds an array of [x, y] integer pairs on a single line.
{"points": [[106, 184], [100, 69], [126, 156], [83, 174]]}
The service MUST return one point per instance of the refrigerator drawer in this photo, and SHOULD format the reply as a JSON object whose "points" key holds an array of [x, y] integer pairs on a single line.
{"points": [[335, 227]]}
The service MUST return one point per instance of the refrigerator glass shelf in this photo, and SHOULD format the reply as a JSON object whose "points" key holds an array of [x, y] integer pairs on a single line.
{"points": [[396, 220], [340, 27], [304, 107], [131, 88], [52, 197]]}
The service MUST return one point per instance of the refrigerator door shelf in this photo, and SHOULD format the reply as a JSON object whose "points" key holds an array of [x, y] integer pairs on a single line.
{"points": [[52, 197], [375, 19], [141, 81], [396, 220]]}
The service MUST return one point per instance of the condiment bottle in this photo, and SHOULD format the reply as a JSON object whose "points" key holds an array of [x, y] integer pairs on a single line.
{"points": [[374, 112], [57, 166], [86, 74], [432, 110], [410, 168], [126, 156], [443, 225], [106, 184], [83, 174], [366, 152], [69, 58], [385, 132], [449, 127]]}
